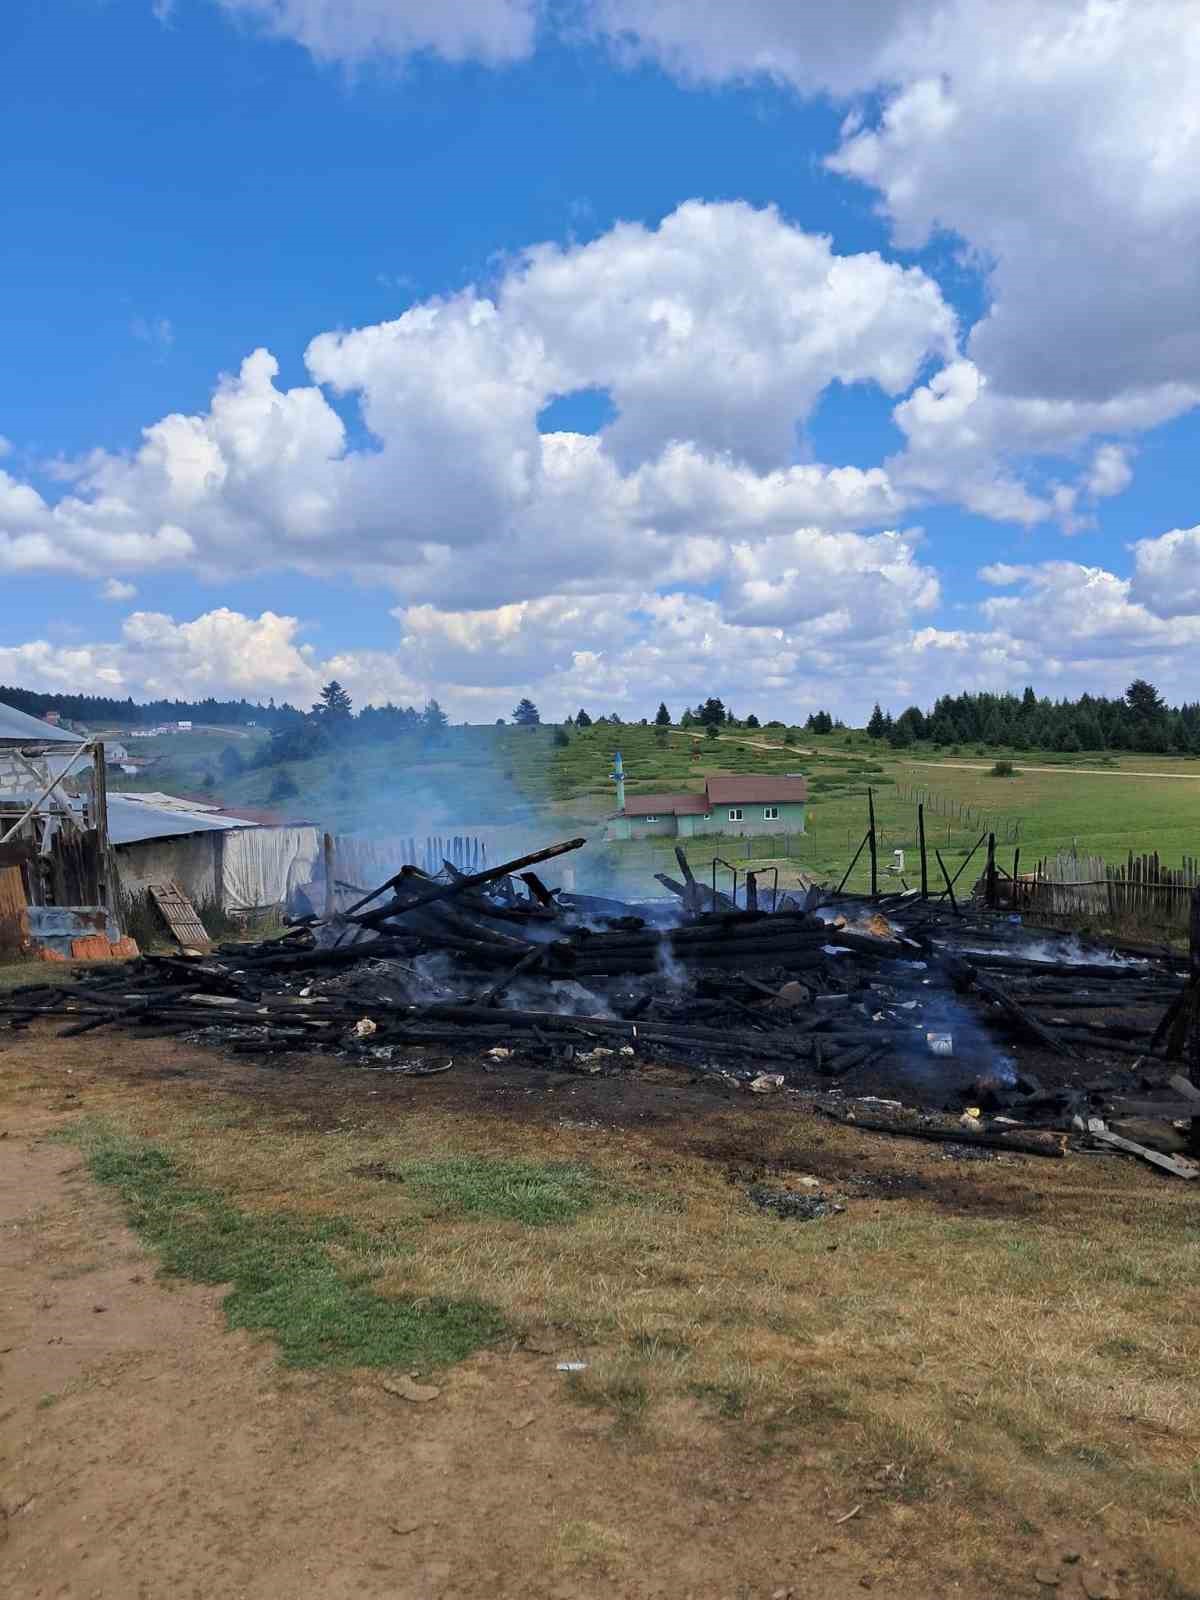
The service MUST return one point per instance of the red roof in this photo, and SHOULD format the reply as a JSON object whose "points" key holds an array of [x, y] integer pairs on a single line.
{"points": [[669, 805], [751, 790], [720, 792]]}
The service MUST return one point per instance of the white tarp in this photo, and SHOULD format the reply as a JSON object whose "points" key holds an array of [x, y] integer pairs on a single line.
{"points": [[260, 865]]}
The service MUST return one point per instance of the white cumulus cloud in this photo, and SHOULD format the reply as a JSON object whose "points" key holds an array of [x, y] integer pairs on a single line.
{"points": [[1057, 137], [709, 383], [1166, 574], [1110, 472]]}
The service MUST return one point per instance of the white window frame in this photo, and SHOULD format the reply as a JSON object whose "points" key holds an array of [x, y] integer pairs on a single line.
{"points": [[770, 813], [649, 818], [735, 814]]}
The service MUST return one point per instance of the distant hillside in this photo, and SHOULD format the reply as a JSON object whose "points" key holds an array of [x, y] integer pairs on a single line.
{"points": [[104, 711]]}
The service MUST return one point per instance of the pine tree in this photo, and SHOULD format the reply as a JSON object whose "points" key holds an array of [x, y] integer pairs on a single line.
{"points": [[662, 717], [875, 724], [582, 720], [1144, 700], [334, 704], [526, 714]]}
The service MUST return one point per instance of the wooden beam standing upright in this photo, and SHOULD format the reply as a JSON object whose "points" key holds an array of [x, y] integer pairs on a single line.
{"points": [[104, 855], [692, 898], [1193, 1037], [921, 843], [327, 853], [990, 880], [874, 844]]}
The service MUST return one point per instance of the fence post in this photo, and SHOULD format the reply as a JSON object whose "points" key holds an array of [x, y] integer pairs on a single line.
{"points": [[874, 848], [330, 889], [1193, 1037]]}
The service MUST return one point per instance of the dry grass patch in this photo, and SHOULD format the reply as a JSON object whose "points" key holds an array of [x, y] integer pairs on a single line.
{"points": [[1010, 1370]]}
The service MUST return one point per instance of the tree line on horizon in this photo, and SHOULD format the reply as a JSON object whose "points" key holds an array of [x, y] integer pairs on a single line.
{"points": [[1140, 720], [98, 708]]}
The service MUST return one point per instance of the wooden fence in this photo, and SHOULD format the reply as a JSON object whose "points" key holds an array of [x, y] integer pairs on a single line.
{"points": [[1083, 886]]}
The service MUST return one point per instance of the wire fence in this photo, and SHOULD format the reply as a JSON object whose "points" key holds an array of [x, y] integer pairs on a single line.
{"points": [[1003, 824]]}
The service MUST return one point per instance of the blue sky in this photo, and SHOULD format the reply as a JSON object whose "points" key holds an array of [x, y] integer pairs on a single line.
{"points": [[188, 184]]}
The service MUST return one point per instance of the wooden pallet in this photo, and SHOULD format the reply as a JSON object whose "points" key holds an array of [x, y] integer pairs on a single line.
{"points": [[179, 914]]}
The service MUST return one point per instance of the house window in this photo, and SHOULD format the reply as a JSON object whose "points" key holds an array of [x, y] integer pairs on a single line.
{"points": [[770, 813], [649, 819], [735, 813]]}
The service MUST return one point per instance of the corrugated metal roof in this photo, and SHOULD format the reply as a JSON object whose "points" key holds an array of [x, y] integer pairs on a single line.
{"points": [[167, 802], [16, 727], [132, 822], [668, 805], [751, 789]]}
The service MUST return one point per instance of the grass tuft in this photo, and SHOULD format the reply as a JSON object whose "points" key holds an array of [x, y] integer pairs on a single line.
{"points": [[284, 1281], [535, 1193]]}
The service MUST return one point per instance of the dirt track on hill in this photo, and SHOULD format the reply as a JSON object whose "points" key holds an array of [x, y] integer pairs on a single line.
{"points": [[1086, 772]]}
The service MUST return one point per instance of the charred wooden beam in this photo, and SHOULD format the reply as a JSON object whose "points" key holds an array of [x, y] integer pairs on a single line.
{"points": [[1053, 1145], [399, 906]]}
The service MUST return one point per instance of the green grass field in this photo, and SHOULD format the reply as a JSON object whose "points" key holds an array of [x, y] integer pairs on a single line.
{"points": [[519, 789]]}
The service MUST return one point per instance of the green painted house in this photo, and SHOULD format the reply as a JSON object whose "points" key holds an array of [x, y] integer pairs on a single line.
{"points": [[737, 806]]}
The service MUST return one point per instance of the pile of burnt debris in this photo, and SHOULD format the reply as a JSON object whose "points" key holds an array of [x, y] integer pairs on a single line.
{"points": [[1023, 1034]]}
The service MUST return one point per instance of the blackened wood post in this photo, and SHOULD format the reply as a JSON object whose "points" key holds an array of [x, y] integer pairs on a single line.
{"points": [[853, 864], [1015, 879], [751, 891], [924, 862], [948, 878], [1193, 1043], [330, 873], [874, 847], [990, 881]]}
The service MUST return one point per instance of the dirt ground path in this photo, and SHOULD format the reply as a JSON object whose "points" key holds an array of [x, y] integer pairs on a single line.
{"points": [[147, 1452], [1083, 772], [757, 744]]}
